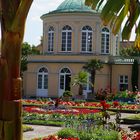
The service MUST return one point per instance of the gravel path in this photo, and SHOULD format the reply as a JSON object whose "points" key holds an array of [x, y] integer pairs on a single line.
{"points": [[40, 131]]}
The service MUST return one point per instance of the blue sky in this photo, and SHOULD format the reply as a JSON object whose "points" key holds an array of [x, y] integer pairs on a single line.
{"points": [[33, 28]]}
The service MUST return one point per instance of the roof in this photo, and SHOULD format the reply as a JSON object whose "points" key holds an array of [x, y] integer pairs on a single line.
{"points": [[72, 6]]}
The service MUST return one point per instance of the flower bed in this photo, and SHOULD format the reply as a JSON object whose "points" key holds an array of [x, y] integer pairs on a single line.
{"points": [[130, 135], [89, 105], [57, 117], [60, 111], [79, 115], [124, 136]]}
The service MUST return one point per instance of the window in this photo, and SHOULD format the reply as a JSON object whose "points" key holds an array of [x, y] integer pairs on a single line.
{"points": [[123, 82], [50, 39], [105, 41], [43, 78], [65, 78], [88, 87], [66, 38], [86, 39]]}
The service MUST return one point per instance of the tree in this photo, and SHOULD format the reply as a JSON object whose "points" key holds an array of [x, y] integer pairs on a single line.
{"points": [[13, 17], [130, 51], [26, 50], [80, 80], [92, 66], [116, 13], [135, 75]]}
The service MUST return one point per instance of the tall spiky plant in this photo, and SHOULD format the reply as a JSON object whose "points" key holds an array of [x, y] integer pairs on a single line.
{"points": [[13, 14], [80, 80], [92, 66]]}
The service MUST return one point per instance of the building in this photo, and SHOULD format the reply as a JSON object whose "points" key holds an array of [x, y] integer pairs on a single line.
{"points": [[73, 34]]}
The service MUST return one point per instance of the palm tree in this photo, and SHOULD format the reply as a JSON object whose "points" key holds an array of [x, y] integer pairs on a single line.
{"points": [[80, 80], [92, 66], [116, 13], [13, 14]]}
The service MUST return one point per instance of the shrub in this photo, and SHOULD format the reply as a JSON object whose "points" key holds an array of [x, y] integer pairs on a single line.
{"points": [[105, 94], [99, 134], [67, 93], [67, 133], [27, 128], [93, 134]]}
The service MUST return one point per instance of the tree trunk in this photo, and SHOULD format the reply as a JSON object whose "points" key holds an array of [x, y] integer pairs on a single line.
{"points": [[93, 73], [80, 89], [10, 89], [13, 17]]}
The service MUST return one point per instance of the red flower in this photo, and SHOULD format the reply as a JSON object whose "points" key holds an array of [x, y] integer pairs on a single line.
{"points": [[116, 104], [104, 105]]}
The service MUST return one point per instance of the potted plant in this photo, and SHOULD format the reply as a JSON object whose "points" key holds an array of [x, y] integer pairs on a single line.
{"points": [[67, 95]]}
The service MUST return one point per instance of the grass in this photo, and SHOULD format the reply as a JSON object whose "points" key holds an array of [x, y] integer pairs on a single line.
{"points": [[27, 128], [133, 117]]}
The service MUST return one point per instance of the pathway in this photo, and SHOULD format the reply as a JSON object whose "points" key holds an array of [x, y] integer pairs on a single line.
{"points": [[40, 131]]}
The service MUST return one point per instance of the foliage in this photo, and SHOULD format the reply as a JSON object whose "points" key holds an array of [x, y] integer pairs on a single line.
{"points": [[42, 119], [26, 50], [27, 128], [126, 94], [133, 117], [79, 100], [105, 94], [80, 80], [92, 66], [94, 134], [130, 51], [99, 134], [54, 137], [67, 93], [44, 122], [115, 14], [135, 75], [67, 133]]}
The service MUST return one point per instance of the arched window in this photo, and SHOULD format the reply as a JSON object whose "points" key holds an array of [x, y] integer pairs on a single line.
{"points": [[66, 38], [42, 78], [86, 39], [65, 78], [50, 39], [105, 41]]}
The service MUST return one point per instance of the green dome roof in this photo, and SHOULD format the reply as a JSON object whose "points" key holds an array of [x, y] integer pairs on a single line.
{"points": [[72, 6]]}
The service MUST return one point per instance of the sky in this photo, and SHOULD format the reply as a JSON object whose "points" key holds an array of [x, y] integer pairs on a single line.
{"points": [[34, 25]]}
